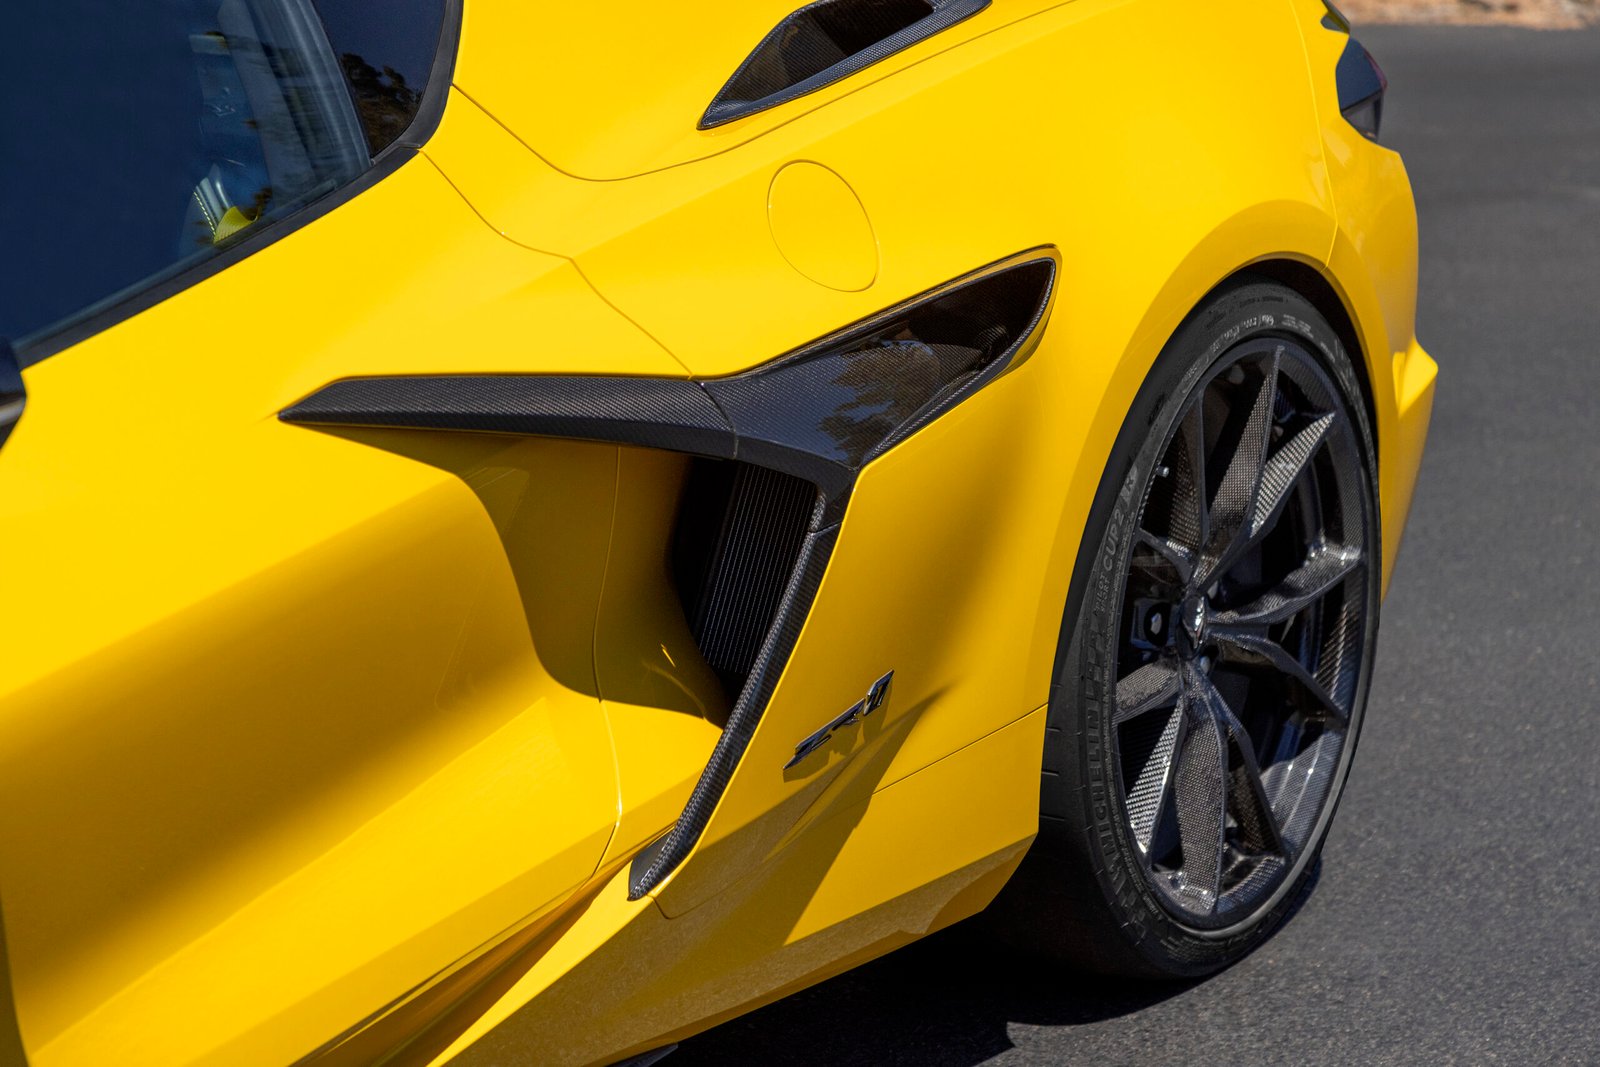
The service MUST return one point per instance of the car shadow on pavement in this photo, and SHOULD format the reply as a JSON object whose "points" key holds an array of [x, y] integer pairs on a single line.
{"points": [[946, 1001]]}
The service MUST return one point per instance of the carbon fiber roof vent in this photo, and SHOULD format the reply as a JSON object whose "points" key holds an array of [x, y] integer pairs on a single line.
{"points": [[826, 41]]}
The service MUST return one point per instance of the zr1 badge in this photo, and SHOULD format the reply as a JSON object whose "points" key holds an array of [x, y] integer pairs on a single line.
{"points": [[875, 698]]}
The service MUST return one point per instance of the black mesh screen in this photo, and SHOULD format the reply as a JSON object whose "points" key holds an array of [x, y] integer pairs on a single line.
{"points": [[738, 535]]}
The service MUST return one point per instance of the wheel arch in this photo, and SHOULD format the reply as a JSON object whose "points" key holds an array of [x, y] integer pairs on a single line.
{"points": [[1238, 249], [1314, 286], [1338, 290]]}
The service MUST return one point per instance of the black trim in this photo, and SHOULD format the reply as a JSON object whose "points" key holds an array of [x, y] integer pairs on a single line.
{"points": [[13, 393], [812, 414], [161, 286], [736, 100], [1356, 79], [437, 92], [1360, 86]]}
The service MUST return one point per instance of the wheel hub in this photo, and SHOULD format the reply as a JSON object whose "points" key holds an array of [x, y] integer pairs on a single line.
{"points": [[1195, 612]]}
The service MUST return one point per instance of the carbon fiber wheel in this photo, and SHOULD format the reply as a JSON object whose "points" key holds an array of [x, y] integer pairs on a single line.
{"points": [[1244, 604], [1215, 650]]}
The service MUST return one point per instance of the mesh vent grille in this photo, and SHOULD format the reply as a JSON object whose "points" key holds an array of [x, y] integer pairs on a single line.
{"points": [[747, 566]]}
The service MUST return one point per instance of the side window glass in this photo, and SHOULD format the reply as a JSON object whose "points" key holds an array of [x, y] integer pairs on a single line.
{"points": [[387, 54], [139, 140]]}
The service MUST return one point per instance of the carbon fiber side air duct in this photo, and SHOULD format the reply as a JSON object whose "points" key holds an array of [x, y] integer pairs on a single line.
{"points": [[824, 42], [798, 431]]}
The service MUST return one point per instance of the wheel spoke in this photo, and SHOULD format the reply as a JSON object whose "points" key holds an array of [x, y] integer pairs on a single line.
{"points": [[1190, 523], [1152, 788], [1252, 810], [1241, 646], [1282, 471], [1234, 505], [1179, 558], [1322, 573], [1201, 800], [1154, 685]]}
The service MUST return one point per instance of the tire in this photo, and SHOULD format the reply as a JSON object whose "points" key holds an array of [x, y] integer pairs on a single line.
{"points": [[1141, 867]]}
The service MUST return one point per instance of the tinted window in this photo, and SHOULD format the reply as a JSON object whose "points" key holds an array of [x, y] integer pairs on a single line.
{"points": [[138, 140], [386, 52]]}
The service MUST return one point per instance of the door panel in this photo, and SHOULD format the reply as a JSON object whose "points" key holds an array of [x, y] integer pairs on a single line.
{"points": [[293, 720]]}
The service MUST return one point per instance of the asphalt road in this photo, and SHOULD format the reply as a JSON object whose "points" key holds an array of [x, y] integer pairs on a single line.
{"points": [[1457, 916]]}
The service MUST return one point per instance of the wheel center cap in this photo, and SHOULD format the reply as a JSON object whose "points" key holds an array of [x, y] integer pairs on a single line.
{"points": [[1194, 614]]}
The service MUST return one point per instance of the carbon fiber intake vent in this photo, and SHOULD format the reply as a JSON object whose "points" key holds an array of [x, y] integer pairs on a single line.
{"points": [[739, 533], [779, 448], [825, 41]]}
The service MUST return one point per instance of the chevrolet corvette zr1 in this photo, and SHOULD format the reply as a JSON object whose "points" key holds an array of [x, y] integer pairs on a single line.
{"points": [[531, 529]]}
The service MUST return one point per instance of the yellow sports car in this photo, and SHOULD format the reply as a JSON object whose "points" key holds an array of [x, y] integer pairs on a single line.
{"points": [[530, 529]]}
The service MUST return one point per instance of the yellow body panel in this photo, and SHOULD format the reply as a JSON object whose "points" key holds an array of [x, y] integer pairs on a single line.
{"points": [[1124, 227], [620, 96], [284, 703], [664, 706], [821, 228], [1373, 264], [900, 863], [331, 744]]}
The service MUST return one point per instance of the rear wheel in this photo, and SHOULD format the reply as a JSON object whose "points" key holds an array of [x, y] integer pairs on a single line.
{"points": [[1215, 652]]}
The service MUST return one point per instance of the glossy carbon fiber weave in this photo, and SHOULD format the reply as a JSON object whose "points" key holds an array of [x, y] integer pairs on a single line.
{"points": [[666, 413], [820, 413], [826, 410]]}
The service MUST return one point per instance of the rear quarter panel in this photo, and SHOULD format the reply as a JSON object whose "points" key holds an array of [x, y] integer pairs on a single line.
{"points": [[1160, 148]]}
